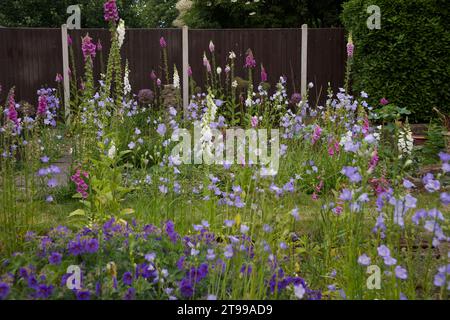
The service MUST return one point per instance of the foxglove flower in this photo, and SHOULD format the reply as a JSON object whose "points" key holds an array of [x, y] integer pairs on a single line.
{"points": [[263, 74], [111, 14], [250, 61], [88, 47], [162, 42], [350, 47], [42, 105]]}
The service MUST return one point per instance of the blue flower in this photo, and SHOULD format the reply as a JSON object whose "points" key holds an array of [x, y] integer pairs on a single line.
{"points": [[83, 295], [4, 290], [364, 260], [55, 258], [127, 278], [352, 174], [401, 273]]}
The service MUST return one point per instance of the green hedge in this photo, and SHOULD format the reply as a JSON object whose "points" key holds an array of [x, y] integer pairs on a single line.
{"points": [[408, 59]]}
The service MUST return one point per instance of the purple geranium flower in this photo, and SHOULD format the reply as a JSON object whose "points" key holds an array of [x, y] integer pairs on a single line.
{"points": [[401, 273], [55, 258], [127, 278], [83, 295], [4, 290], [352, 173]]}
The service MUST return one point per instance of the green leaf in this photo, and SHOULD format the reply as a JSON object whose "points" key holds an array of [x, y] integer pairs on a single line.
{"points": [[127, 211], [78, 212]]}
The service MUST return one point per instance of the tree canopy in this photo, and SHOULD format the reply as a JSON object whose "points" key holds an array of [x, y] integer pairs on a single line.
{"points": [[162, 13], [50, 13], [263, 13]]}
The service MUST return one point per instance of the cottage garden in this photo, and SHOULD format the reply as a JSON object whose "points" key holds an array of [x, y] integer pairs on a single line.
{"points": [[348, 196]]}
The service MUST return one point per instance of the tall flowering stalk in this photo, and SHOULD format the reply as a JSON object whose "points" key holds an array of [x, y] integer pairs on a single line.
{"points": [[250, 64], [89, 52], [163, 45], [350, 51]]}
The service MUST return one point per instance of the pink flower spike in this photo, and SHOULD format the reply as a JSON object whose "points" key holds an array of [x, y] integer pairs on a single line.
{"points": [[111, 14], [162, 42], [263, 74], [250, 61]]}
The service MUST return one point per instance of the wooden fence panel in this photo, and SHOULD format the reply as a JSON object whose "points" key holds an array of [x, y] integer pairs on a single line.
{"points": [[31, 58]]}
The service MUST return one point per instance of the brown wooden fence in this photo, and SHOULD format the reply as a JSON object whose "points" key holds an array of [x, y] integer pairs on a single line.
{"points": [[31, 58]]}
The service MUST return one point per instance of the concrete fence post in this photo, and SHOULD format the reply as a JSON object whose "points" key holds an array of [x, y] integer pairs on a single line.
{"points": [[185, 46], [304, 61], [66, 76]]}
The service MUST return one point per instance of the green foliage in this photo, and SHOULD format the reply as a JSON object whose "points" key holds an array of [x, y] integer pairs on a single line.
{"points": [[50, 13], [407, 60], [157, 13], [435, 143], [262, 14]]}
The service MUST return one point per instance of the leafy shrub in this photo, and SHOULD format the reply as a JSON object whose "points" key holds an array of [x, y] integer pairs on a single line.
{"points": [[407, 60]]}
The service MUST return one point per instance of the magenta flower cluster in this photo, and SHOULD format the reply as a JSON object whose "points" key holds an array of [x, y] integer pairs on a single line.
{"points": [[250, 61], [42, 105], [88, 47], [111, 14], [78, 179], [12, 112]]}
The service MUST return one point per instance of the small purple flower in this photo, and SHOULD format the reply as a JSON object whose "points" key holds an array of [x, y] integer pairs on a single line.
{"points": [[83, 295], [383, 251], [161, 130], [55, 258], [295, 214], [244, 228], [389, 261], [408, 184], [401, 273], [364, 260], [186, 288], [352, 174], [92, 246], [43, 291], [346, 195], [52, 183], [4, 290], [228, 251], [445, 157], [445, 198], [127, 278], [229, 223], [130, 294]]}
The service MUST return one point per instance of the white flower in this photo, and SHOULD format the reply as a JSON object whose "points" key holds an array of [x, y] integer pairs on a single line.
{"points": [[112, 150], [405, 140], [219, 70], [234, 84], [126, 80], [121, 32], [232, 55], [299, 291], [176, 79]]}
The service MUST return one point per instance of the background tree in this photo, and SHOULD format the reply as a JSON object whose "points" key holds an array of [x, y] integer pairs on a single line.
{"points": [[157, 13], [51, 13], [263, 13]]}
